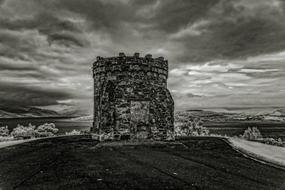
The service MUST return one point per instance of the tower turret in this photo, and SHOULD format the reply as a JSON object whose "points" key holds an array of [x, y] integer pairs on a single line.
{"points": [[131, 95]]}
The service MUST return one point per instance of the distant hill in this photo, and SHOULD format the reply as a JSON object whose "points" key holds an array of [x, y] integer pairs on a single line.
{"points": [[83, 118], [208, 115], [19, 111], [277, 115]]}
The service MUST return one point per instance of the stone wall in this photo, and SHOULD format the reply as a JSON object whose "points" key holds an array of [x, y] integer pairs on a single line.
{"points": [[131, 96]]}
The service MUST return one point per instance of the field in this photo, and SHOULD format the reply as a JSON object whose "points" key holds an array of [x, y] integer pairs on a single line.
{"points": [[267, 129], [81, 163]]}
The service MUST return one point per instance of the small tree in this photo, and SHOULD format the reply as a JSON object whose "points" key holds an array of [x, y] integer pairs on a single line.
{"points": [[180, 129], [46, 130], [252, 133], [198, 129], [190, 127], [4, 131], [24, 132]]}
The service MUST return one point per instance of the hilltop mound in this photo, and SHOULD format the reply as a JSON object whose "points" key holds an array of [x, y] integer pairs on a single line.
{"points": [[79, 163]]}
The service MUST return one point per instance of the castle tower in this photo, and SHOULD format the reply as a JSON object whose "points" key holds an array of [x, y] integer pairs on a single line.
{"points": [[131, 95]]}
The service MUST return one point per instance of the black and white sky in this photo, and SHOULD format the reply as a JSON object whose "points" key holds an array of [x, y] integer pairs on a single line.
{"points": [[222, 53]]}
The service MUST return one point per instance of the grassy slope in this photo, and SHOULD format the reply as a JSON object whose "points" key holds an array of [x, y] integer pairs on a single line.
{"points": [[77, 163]]}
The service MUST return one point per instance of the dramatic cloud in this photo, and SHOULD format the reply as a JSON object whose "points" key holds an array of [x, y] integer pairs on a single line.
{"points": [[221, 53]]}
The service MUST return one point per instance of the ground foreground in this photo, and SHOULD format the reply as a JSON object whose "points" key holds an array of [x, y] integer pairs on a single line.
{"points": [[81, 163]]}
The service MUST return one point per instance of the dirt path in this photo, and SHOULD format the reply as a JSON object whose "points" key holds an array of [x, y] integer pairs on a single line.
{"points": [[269, 154]]}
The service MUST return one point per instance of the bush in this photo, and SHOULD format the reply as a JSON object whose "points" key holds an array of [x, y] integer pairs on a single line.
{"points": [[4, 131], [105, 136], [252, 133], [170, 135], [24, 132], [73, 132], [7, 138], [46, 130], [272, 141], [190, 128], [141, 135]]}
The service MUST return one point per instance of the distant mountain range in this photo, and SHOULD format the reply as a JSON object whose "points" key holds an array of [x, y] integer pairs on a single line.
{"points": [[277, 115], [207, 115], [83, 118], [20, 111]]}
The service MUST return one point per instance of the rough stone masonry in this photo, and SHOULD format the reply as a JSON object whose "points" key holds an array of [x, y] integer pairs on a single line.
{"points": [[131, 96]]}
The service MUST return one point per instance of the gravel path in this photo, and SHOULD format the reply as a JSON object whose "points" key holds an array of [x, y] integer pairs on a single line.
{"points": [[268, 153]]}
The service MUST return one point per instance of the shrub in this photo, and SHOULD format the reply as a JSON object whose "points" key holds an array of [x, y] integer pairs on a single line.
{"points": [[104, 136], [141, 135], [272, 141], [24, 132], [252, 133], [170, 135], [46, 130], [4, 131], [73, 132], [85, 132], [190, 128], [8, 138]]}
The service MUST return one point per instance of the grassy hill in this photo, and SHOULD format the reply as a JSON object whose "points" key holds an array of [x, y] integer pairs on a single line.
{"points": [[81, 163]]}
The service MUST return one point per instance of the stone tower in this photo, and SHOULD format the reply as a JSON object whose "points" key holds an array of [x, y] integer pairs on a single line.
{"points": [[131, 96]]}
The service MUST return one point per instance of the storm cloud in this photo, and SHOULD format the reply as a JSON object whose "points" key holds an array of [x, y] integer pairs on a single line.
{"points": [[221, 53]]}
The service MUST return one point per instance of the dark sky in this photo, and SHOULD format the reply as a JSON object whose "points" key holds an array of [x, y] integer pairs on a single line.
{"points": [[222, 53]]}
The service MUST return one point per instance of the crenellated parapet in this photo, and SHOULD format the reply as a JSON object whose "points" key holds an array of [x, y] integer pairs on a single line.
{"points": [[129, 66]]}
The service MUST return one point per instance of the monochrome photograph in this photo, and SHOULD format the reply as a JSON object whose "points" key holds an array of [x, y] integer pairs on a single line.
{"points": [[142, 94]]}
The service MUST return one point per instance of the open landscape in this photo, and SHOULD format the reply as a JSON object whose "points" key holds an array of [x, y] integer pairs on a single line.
{"points": [[142, 94], [270, 123]]}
